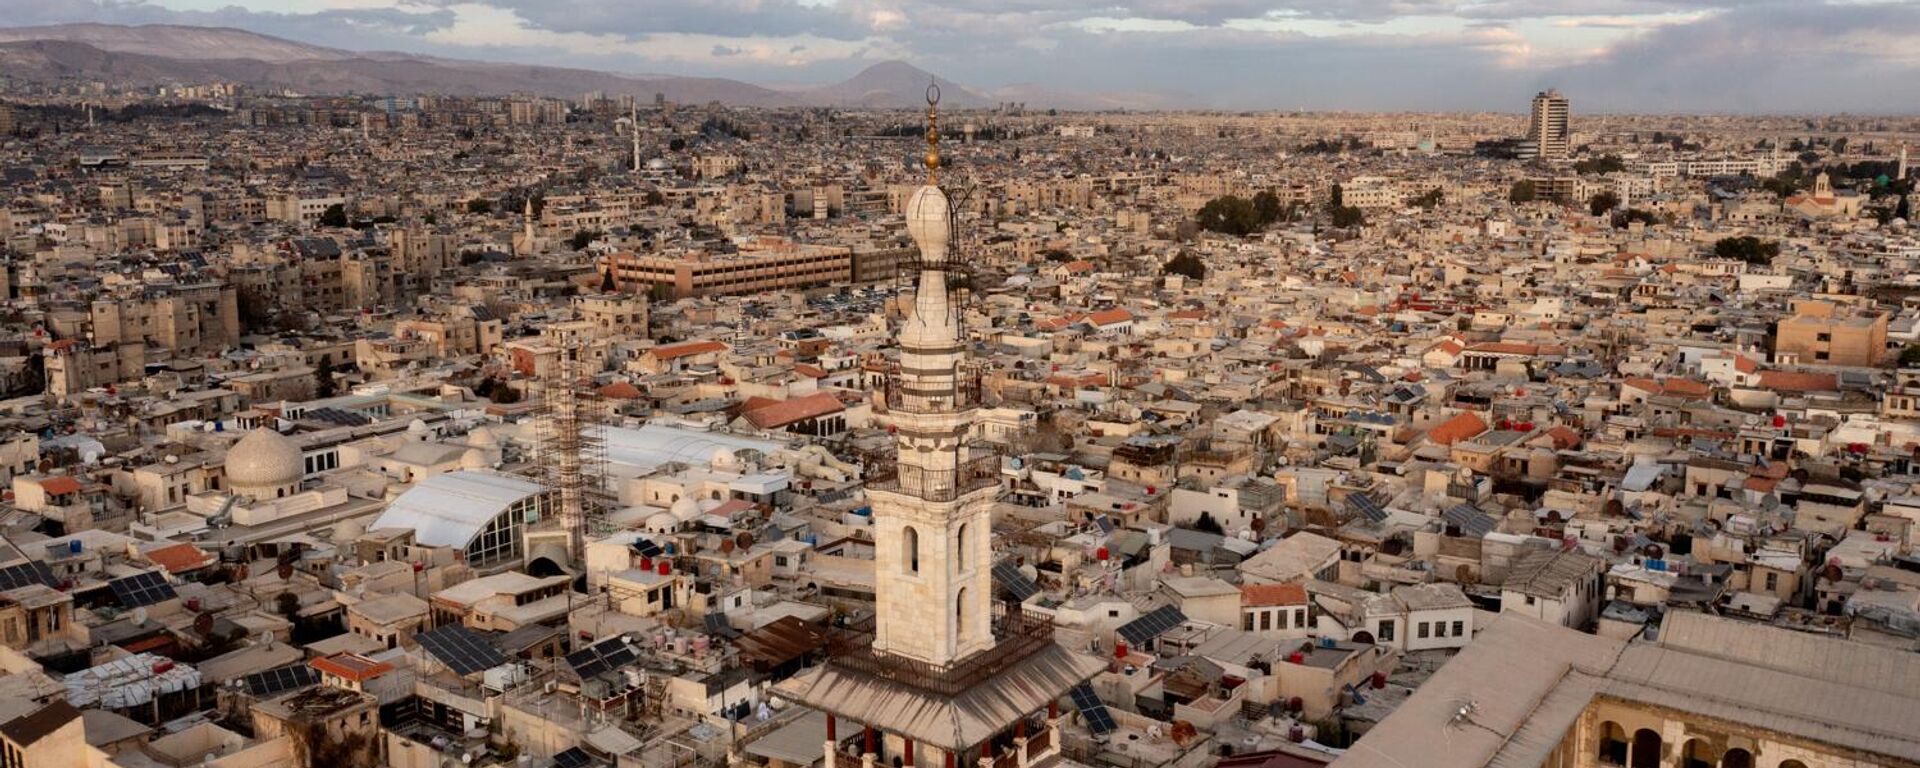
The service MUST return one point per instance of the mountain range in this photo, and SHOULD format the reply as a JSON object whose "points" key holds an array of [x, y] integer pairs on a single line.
{"points": [[160, 54]]}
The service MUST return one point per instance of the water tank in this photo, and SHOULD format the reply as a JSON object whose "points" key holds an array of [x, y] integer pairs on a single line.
{"points": [[74, 546]]}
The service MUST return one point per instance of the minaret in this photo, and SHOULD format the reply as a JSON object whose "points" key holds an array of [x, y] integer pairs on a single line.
{"points": [[529, 222], [1901, 171], [633, 128], [931, 516]]}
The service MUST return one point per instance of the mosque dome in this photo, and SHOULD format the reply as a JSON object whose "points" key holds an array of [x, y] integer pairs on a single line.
{"points": [[264, 460], [723, 458], [418, 428], [661, 522], [475, 458], [482, 437], [348, 530], [686, 509]]}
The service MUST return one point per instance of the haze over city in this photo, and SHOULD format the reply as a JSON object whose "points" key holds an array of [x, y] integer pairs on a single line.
{"points": [[1621, 55]]}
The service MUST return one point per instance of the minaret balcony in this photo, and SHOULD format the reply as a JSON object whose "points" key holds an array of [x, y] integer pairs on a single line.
{"points": [[971, 475]]}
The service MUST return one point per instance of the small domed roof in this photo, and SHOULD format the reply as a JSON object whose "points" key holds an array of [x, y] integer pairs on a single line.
{"points": [[417, 427], [723, 458], [475, 458], [347, 530], [263, 459], [482, 437], [686, 509], [662, 521]]}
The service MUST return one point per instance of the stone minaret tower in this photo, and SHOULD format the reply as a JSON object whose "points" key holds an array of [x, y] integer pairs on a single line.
{"points": [[931, 518]]}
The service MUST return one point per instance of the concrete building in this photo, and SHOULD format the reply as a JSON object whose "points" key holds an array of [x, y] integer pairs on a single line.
{"points": [[1547, 125]]}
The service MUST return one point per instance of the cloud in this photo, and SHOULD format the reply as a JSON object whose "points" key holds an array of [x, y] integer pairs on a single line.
{"points": [[725, 50]]}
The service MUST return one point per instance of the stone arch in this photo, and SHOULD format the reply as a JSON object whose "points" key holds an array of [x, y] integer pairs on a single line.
{"points": [[1646, 749], [1792, 764], [1612, 748], [910, 549], [1363, 637], [1736, 758], [960, 613], [1697, 753], [960, 549]]}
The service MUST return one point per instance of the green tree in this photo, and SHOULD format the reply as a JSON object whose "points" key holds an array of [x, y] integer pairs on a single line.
{"points": [[1266, 207], [1601, 164], [677, 144], [1186, 264], [655, 198], [582, 238], [1430, 200], [1228, 215], [479, 205], [1746, 248], [1522, 191], [1207, 524], [324, 385], [607, 283], [1622, 219], [1602, 202], [334, 216], [1348, 216], [1910, 356], [1336, 197]]}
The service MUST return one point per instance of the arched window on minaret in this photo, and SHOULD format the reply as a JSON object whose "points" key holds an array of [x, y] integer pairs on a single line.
{"points": [[960, 549], [960, 613], [910, 548]]}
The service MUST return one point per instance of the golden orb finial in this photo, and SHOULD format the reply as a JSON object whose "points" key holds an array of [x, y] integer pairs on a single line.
{"points": [[933, 131]]}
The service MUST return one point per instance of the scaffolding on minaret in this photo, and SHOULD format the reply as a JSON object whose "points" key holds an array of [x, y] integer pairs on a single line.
{"points": [[571, 454]]}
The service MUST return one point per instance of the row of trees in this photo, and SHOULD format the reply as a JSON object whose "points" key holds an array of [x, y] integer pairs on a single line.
{"points": [[1238, 216]]}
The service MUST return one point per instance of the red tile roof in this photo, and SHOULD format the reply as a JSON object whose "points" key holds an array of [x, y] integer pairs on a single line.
{"points": [[1456, 429], [1262, 595], [776, 414], [1794, 381], [620, 390], [351, 666], [60, 485], [179, 558], [672, 351]]}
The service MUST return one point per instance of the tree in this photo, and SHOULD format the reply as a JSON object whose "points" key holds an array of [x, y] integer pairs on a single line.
{"points": [[1266, 207], [1522, 191], [1348, 216], [1228, 215], [655, 198], [1910, 356], [1622, 219], [1602, 202], [1207, 524], [1336, 197], [1602, 164], [1746, 248], [334, 216], [582, 238], [479, 205], [1187, 264], [324, 385], [1430, 200], [287, 604], [607, 283], [677, 144]]}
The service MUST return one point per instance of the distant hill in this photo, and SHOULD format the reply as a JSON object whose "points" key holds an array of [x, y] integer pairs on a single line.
{"points": [[161, 54], [893, 84]]}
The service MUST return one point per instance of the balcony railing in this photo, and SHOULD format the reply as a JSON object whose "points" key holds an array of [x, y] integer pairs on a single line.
{"points": [[844, 760], [935, 484], [1017, 634], [1039, 745]]}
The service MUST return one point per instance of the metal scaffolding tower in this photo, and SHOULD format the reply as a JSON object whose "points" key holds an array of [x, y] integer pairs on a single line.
{"points": [[572, 455]]}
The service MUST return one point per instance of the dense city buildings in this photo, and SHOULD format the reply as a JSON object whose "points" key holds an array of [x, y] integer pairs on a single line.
{"points": [[590, 423]]}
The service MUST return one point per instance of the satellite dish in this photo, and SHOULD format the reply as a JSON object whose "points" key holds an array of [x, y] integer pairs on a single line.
{"points": [[139, 617]]}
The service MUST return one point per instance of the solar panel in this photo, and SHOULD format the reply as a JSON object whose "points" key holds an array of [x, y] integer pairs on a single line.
{"points": [[1470, 520], [646, 548], [1105, 523], [274, 682], [142, 589], [1152, 625], [717, 625], [17, 576], [1092, 709], [573, 757], [461, 649], [1009, 577], [604, 656], [1367, 507]]}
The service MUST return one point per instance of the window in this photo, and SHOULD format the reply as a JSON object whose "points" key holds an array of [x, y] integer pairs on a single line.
{"points": [[910, 549], [1386, 631], [1266, 620], [960, 563], [1529, 599], [1423, 629], [1246, 622], [1283, 618], [1459, 628], [1773, 581]]}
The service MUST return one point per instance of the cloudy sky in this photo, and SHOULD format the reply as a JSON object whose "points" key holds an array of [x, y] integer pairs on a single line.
{"points": [[1608, 55]]}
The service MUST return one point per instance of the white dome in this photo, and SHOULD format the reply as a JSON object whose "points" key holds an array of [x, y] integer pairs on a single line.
{"points": [[475, 458], [417, 427], [662, 521], [264, 459], [928, 224], [723, 458], [482, 437], [686, 509], [347, 530]]}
